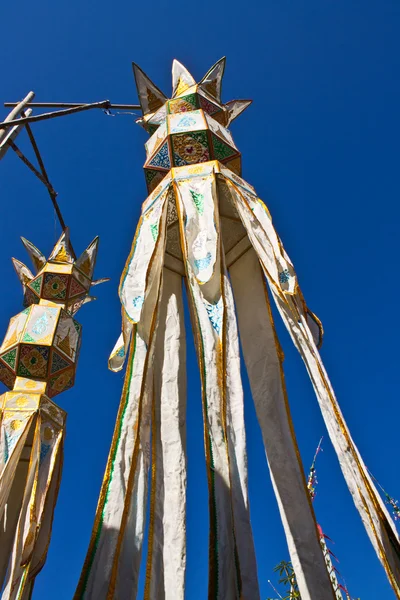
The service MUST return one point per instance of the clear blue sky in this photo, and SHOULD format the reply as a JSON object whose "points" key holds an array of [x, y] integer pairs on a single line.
{"points": [[321, 146]]}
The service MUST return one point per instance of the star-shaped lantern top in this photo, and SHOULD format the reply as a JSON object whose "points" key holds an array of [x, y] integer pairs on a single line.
{"points": [[59, 280], [190, 127], [187, 95]]}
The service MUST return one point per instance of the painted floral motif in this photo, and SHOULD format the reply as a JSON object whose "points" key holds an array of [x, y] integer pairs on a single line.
{"points": [[178, 161], [61, 383], [221, 149], [198, 200], [183, 124], [203, 263], [185, 104], [161, 159], [33, 361], [192, 148], [284, 276], [10, 357], [215, 314], [76, 289], [58, 363], [55, 286], [41, 325], [28, 338], [207, 106], [138, 301], [154, 231], [36, 284]]}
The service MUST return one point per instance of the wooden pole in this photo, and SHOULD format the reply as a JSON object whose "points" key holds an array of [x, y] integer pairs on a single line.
{"points": [[73, 105], [15, 112], [7, 141], [52, 193], [58, 113], [11, 135]]}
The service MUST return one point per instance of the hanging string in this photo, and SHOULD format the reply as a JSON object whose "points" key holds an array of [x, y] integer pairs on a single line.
{"points": [[108, 112], [388, 499]]}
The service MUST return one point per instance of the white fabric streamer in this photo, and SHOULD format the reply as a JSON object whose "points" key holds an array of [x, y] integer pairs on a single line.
{"points": [[167, 548], [262, 355], [376, 519]]}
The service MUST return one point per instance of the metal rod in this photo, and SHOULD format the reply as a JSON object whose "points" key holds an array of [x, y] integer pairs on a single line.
{"points": [[15, 112], [11, 135], [59, 113], [73, 105]]}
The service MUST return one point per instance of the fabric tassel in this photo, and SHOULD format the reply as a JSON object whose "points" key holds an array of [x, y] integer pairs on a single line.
{"points": [[290, 303], [43, 539], [12, 484], [17, 571], [223, 577], [166, 561], [236, 438], [376, 519], [29, 553], [112, 564], [223, 412], [126, 471], [263, 358], [13, 438], [126, 567]]}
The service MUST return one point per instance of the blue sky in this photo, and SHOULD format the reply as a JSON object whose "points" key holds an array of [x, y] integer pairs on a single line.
{"points": [[320, 144]]}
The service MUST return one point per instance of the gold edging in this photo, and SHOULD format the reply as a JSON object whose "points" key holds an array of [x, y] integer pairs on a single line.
{"points": [[150, 549], [106, 479], [132, 472], [280, 356]]}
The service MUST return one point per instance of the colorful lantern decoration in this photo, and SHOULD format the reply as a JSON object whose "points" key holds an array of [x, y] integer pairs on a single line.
{"points": [[204, 225], [38, 359]]}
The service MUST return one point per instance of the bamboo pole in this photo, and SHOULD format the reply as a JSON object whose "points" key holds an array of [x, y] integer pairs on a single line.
{"points": [[11, 135], [73, 105], [10, 118], [52, 193], [7, 141], [58, 113], [32, 167]]}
